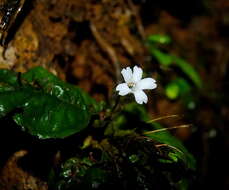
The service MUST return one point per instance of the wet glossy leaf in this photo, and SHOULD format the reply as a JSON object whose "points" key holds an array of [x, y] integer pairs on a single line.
{"points": [[43, 105], [8, 102], [66, 92], [8, 77], [48, 117]]}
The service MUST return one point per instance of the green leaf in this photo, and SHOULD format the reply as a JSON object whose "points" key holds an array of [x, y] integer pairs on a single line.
{"points": [[11, 100], [95, 177], [133, 158], [120, 123], [159, 38], [75, 165], [163, 58], [188, 70], [47, 117], [43, 115], [167, 60], [43, 105], [172, 91], [183, 184], [176, 146], [176, 88], [138, 112], [8, 77], [173, 156], [66, 92]]}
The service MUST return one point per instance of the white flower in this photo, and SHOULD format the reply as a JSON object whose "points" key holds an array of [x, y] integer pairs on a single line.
{"points": [[135, 84]]}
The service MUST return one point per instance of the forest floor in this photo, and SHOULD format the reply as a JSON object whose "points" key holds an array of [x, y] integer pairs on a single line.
{"points": [[87, 43]]}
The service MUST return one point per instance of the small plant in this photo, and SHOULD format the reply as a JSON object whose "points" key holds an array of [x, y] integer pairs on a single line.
{"points": [[184, 82], [124, 149]]}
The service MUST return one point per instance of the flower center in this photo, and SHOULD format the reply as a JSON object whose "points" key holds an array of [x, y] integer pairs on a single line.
{"points": [[131, 85]]}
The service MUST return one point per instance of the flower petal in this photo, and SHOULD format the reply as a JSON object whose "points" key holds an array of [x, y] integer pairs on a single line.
{"points": [[137, 74], [127, 74], [123, 89], [140, 97], [146, 83]]}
